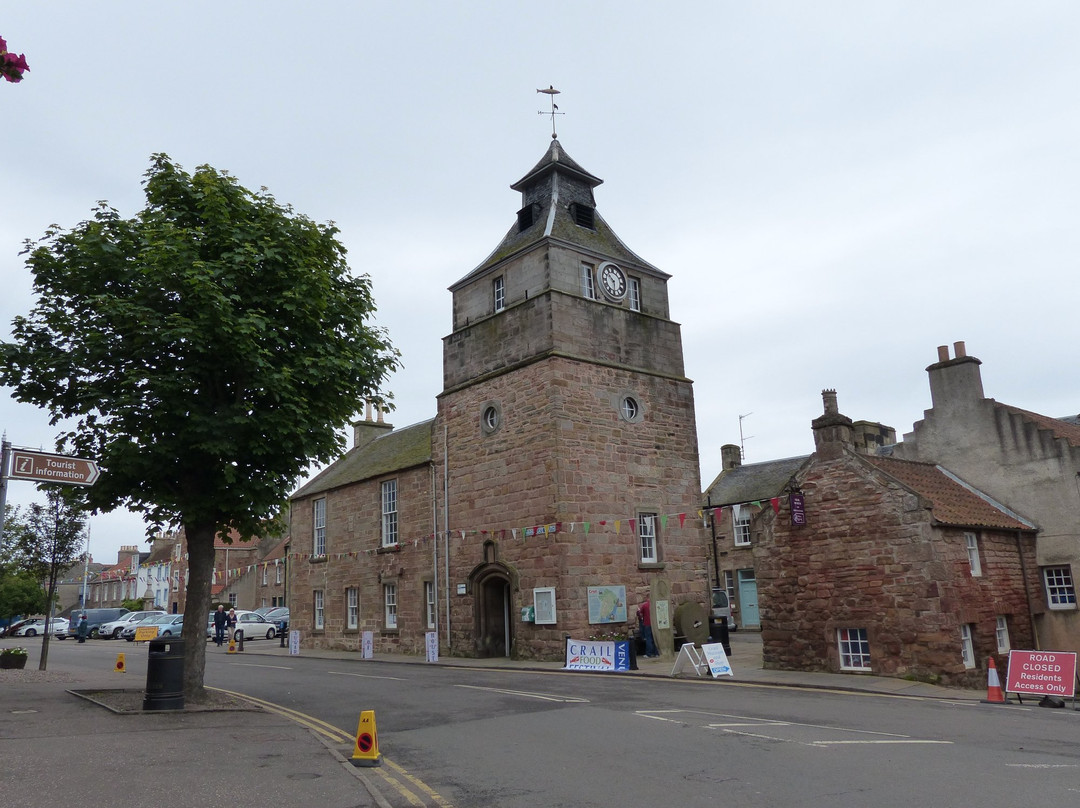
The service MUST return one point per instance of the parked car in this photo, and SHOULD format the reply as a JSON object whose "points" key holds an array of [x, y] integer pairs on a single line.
{"points": [[279, 616], [94, 618], [10, 629], [112, 629], [167, 625], [253, 624], [36, 625]]}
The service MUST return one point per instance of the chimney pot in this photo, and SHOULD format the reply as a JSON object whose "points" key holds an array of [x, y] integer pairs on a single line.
{"points": [[943, 353], [828, 397], [959, 349]]}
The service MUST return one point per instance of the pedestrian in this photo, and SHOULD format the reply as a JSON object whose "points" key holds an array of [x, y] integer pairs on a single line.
{"points": [[231, 620], [220, 621], [83, 628], [644, 616]]}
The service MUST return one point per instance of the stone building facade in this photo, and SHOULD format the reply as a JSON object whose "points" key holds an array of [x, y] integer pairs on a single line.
{"points": [[901, 569], [562, 459], [1028, 461]]}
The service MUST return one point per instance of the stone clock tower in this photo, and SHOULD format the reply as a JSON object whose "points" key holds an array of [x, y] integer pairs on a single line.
{"points": [[565, 443]]}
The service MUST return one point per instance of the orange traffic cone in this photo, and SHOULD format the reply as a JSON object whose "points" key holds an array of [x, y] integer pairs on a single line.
{"points": [[994, 694]]}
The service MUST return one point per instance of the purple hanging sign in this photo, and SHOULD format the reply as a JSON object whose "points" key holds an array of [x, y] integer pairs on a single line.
{"points": [[798, 509]]}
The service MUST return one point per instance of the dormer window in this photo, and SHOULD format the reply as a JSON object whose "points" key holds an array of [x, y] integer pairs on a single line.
{"points": [[583, 215]]}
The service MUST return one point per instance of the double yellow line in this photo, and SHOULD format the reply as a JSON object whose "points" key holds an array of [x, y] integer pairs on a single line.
{"points": [[401, 781]]}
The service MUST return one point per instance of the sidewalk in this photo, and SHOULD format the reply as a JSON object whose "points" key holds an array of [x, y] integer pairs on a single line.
{"points": [[253, 759]]}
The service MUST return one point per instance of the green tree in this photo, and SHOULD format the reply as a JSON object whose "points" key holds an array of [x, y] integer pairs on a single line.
{"points": [[210, 348], [46, 541]]}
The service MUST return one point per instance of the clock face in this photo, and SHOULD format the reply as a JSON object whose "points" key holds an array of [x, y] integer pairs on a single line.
{"points": [[612, 281]]}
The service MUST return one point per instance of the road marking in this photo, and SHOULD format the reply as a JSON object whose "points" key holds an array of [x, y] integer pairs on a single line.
{"points": [[899, 740], [340, 736], [255, 665], [542, 696], [1043, 765], [741, 723], [366, 676]]}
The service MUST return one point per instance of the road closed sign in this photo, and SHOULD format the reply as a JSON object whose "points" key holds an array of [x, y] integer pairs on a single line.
{"points": [[1042, 673]]}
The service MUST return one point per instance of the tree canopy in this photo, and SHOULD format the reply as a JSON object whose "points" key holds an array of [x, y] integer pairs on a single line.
{"points": [[208, 350]]}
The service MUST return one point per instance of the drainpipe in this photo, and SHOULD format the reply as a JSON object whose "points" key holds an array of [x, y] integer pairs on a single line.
{"points": [[1027, 591], [715, 555]]}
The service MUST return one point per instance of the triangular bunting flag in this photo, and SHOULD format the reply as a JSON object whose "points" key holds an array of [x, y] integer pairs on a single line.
{"points": [[775, 502]]}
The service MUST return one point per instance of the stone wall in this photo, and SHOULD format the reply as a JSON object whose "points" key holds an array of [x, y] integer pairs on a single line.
{"points": [[872, 557]]}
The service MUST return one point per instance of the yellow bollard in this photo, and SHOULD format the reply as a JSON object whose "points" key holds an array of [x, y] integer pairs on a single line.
{"points": [[366, 748], [120, 667]]}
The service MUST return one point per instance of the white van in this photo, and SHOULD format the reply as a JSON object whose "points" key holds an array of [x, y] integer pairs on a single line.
{"points": [[721, 608]]}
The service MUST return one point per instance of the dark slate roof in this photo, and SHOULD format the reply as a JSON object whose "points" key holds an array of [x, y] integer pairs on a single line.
{"points": [[753, 482], [393, 451], [953, 501], [559, 172]]}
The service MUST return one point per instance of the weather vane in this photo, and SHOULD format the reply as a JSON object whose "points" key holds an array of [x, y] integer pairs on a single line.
{"points": [[551, 92]]}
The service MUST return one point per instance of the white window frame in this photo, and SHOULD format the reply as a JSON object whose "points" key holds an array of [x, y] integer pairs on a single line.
{"points": [[647, 539], [971, 541], [741, 527], [389, 496], [1060, 589], [429, 603], [854, 649], [390, 606], [498, 291], [277, 575], [318, 602], [318, 527], [232, 599], [629, 408], [176, 580], [634, 294], [967, 645], [352, 608], [729, 585], [588, 285], [1002, 634], [265, 575]]}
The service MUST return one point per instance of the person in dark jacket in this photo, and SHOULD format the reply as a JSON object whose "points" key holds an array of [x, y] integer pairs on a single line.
{"points": [[83, 628], [220, 621]]}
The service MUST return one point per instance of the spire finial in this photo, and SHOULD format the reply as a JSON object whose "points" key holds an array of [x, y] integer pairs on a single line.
{"points": [[551, 92]]}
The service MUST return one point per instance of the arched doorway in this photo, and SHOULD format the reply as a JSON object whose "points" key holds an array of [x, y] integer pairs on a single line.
{"points": [[493, 628]]}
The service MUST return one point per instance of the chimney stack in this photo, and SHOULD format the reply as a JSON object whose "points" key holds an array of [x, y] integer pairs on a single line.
{"points": [[730, 456], [832, 431], [955, 382]]}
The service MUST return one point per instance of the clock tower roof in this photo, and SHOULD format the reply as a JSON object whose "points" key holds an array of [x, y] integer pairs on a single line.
{"points": [[557, 204]]}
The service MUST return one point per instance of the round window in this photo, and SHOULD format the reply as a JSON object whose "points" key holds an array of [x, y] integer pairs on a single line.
{"points": [[630, 408], [490, 418]]}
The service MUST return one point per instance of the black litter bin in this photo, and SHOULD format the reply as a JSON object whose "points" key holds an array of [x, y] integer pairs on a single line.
{"points": [[165, 675], [718, 632]]}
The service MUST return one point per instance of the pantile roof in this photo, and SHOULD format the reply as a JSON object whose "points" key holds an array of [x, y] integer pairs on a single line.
{"points": [[953, 501]]}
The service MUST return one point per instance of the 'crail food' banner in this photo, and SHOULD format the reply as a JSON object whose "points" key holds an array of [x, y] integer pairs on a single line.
{"points": [[596, 655]]}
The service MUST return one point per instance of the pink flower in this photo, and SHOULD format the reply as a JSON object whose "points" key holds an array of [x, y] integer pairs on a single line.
{"points": [[12, 65]]}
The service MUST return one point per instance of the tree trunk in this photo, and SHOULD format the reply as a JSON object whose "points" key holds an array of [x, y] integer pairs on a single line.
{"points": [[200, 542]]}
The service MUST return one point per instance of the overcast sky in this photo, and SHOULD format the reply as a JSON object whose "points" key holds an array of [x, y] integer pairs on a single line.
{"points": [[836, 188]]}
